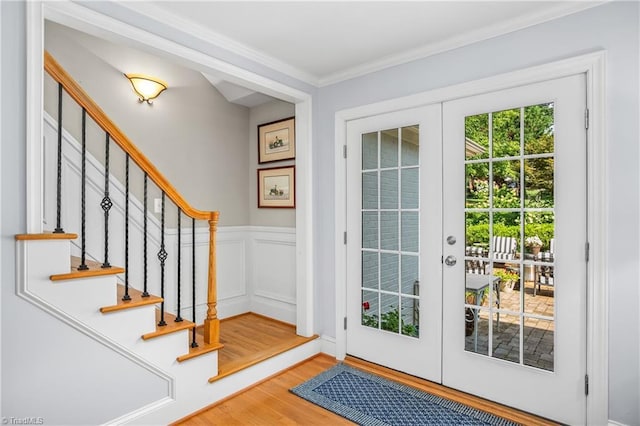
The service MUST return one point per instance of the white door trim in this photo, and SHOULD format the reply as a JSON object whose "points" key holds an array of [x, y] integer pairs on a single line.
{"points": [[593, 64], [79, 17]]}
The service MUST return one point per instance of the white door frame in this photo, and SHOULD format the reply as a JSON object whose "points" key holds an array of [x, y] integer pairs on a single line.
{"points": [[593, 65], [83, 19]]}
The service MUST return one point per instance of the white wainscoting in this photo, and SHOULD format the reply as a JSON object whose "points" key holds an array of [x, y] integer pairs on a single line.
{"points": [[256, 266], [273, 272]]}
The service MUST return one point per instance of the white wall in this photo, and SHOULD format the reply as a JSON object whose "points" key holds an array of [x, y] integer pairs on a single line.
{"points": [[266, 113], [613, 26], [48, 369], [191, 133]]}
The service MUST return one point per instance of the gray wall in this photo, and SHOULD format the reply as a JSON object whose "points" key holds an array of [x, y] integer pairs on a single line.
{"points": [[613, 26], [192, 134], [266, 113], [48, 369]]}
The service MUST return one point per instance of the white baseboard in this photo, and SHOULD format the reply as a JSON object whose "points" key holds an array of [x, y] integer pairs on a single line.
{"points": [[328, 345]]}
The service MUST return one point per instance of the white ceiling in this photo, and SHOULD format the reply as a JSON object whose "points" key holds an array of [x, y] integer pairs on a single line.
{"points": [[325, 42]]}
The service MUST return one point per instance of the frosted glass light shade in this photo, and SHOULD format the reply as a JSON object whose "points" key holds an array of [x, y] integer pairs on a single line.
{"points": [[147, 88]]}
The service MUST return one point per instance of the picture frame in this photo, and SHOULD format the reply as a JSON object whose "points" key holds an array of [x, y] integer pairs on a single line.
{"points": [[277, 141], [276, 187]]}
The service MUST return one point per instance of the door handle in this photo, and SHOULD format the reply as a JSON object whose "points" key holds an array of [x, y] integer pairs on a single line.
{"points": [[450, 260]]}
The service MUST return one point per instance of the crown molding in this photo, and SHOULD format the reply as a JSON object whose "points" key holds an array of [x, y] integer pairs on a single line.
{"points": [[150, 10], [465, 39]]}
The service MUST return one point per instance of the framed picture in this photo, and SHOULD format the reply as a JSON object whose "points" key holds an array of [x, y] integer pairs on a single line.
{"points": [[276, 187], [277, 141]]}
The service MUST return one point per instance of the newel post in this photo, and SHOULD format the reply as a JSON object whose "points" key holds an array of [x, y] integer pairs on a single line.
{"points": [[212, 323]]}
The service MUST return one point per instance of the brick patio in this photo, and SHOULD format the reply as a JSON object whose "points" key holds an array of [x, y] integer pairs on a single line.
{"points": [[538, 334]]}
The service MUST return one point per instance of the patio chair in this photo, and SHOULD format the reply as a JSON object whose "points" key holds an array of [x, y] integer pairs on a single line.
{"points": [[475, 266], [504, 248], [544, 273]]}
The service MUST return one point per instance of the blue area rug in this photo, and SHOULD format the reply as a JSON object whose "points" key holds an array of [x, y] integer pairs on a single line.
{"points": [[367, 399]]}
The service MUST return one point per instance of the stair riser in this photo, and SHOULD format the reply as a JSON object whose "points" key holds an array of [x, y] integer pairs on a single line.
{"points": [[124, 326], [47, 257]]}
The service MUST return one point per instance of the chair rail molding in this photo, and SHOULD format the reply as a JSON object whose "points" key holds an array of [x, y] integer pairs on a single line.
{"points": [[79, 17], [593, 66]]}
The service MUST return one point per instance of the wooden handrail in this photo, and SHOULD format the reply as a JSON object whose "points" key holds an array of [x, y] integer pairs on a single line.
{"points": [[211, 322], [95, 112]]}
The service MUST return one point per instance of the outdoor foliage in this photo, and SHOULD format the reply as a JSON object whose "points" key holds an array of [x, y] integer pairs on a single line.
{"points": [[538, 138], [390, 321], [479, 234]]}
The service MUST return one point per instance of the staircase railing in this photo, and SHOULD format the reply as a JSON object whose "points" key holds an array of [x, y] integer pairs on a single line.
{"points": [[113, 133]]}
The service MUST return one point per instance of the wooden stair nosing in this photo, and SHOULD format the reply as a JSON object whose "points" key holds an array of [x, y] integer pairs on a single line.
{"points": [[136, 300], [200, 350], [171, 327], [95, 270], [46, 236], [259, 357]]}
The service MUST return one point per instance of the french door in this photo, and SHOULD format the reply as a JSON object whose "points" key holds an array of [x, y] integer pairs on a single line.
{"points": [[466, 251], [394, 240]]}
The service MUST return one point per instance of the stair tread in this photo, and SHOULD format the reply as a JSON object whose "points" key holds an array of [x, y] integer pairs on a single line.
{"points": [[47, 235], [259, 356], [201, 349], [171, 327], [136, 300], [95, 269]]}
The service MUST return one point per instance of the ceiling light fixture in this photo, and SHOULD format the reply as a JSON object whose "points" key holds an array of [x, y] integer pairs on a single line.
{"points": [[147, 88]]}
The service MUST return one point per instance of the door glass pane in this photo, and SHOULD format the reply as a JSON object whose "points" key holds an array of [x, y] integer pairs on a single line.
{"points": [[506, 133], [370, 190], [370, 230], [476, 330], [370, 151], [410, 230], [538, 129], [389, 148], [538, 182], [389, 271], [538, 336], [506, 184], [410, 146], [390, 230], [370, 308], [410, 275], [389, 313], [410, 188], [476, 142], [370, 269], [389, 189], [410, 316], [506, 337], [477, 192], [509, 247]]}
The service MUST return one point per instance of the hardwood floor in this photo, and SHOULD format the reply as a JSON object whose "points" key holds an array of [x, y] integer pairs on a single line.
{"points": [[271, 403], [250, 338]]}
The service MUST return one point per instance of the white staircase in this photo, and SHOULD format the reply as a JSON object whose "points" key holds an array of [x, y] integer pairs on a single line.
{"points": [[77, 301]]}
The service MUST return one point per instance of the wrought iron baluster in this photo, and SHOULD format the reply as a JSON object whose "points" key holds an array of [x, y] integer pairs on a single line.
{"points": [[194, 343], [106, 203], [145, 293], [126, 231], [179, 317], [59, 229], [83, 265], [162, 256]]}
